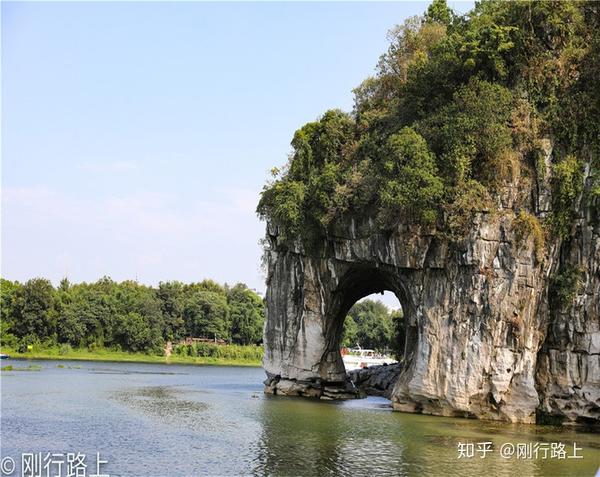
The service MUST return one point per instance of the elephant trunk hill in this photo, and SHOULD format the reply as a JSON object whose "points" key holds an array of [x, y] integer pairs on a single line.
{"points": [[466, 181]]}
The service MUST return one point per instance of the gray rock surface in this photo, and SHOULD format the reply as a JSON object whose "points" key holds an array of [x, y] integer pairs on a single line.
{"points": [[482, 339], [376, 380]]}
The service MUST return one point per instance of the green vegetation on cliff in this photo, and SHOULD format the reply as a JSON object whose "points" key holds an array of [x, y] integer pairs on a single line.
{"points": [[457, 109], [527, 225]]}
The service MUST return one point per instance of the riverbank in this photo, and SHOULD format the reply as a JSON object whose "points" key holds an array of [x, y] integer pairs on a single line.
{"points": [[127, 357]]}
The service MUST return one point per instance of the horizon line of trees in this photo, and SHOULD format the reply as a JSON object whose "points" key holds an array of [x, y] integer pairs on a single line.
{"points": [[127, 315]]}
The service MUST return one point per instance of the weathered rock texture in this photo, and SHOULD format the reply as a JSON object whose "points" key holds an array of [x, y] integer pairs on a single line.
{"points": [[568, 364], [482, 339], [376, 380]]}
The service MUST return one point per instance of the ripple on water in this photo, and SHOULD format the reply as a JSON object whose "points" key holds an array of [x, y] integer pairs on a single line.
{"points": [[164, 403]]}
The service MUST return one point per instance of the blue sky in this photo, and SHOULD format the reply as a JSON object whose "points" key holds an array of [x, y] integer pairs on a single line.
{"points": [[136, 137]]}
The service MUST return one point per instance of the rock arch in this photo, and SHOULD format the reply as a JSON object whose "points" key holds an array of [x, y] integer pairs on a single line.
{"points": [[471, 356], [484, 342]]}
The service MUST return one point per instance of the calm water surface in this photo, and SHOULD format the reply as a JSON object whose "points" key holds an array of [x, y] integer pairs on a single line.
{"points": [[172, 420]]}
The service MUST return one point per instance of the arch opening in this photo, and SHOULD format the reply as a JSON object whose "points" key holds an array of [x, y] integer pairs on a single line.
{"points": [[375, 322], [370, 296]]}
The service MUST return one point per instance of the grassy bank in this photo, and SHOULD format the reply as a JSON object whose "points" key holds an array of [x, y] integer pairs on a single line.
{"points": [[229, 355]]}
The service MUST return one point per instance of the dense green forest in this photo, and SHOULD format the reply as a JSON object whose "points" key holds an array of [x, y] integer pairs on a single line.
{"points": [[130, 316], [459, 107], [127, 315]]}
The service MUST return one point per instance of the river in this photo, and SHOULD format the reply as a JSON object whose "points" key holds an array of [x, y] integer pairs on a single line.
{"points": [[172, 420]]}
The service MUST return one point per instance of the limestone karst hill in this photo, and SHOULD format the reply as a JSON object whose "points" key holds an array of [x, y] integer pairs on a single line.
{"points": [[466, 181]]}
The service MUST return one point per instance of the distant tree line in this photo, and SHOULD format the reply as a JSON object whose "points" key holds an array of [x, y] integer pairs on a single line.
{"points": [[127, 315]]}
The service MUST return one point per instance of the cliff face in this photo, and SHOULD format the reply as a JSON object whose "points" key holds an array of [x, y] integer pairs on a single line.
{"points": [[484, 336], [568, 364]]}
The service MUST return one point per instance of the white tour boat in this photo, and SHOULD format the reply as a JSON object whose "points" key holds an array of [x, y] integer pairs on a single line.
{"points": [[357, 358]]}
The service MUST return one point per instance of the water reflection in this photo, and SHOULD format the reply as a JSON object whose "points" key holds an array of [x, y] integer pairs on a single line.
{"points": [[300, 437]]}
